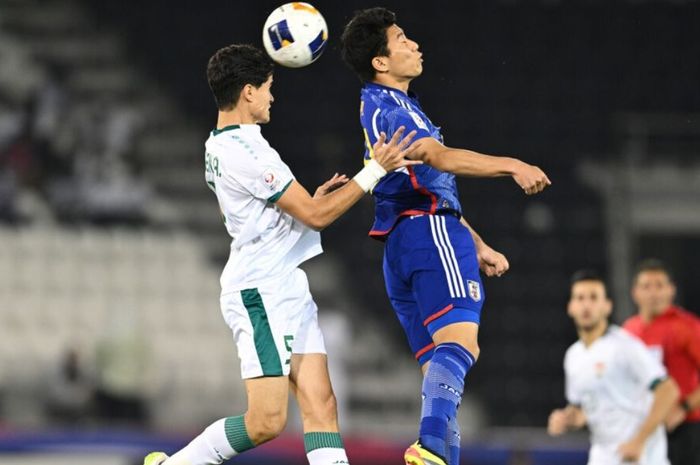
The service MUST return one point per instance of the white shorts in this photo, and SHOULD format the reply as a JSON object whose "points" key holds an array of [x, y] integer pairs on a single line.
{"points": [[271, 322]]}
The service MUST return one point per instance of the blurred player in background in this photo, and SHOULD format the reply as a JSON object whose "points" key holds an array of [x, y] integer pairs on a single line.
{"points": [[265, 299], [613, 384], [432, 256], [673, 335]]}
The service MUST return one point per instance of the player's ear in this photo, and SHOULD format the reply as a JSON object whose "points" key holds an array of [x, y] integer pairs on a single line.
{"points": [[633, 293], [247, 93], [380, 64], [608, 307]]}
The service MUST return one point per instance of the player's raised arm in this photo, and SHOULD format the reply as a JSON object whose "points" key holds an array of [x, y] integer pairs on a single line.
{"points": [[473, 164], [319, 211]]}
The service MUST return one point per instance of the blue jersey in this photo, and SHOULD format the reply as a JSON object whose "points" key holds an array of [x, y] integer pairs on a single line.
{"points": [[414, 190]]}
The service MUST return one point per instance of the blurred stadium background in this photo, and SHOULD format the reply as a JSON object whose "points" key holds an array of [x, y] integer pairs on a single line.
{"points": [[111, 340]]}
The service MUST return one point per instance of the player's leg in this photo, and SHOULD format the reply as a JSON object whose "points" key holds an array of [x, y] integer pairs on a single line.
{"points": [[311, 385], [407, 311], [438, 259], [263, 321], [454, 326], [455, 353], [228, 437], [454, 437]]}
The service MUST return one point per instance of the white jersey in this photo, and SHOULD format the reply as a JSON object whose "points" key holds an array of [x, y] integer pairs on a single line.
{"points": [[248, 177], [612, 381]]}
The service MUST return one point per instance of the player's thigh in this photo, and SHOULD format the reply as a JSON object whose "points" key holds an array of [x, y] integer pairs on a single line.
{"points": [[264, 322], [407, 311], [445, 280]]}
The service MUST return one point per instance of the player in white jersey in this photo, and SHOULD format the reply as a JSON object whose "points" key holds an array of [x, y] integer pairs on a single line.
{"points": [[613, 384], [265, 299]]}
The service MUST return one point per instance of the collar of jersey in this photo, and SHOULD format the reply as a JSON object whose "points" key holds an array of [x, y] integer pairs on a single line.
{"points": [[374, 85], [216, 132]]}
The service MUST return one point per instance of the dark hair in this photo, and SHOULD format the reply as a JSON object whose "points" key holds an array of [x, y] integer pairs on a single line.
{"points": [[364, 38], [587, 275], [652, 264], [231, 68]]}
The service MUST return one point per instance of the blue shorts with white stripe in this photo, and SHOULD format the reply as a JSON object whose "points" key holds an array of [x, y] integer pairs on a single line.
{"points": [[432, 277]]}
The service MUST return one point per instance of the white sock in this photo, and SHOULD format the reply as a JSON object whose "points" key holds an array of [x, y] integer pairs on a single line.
{"points": [[223, 439], [325, 449], [328, 456]]}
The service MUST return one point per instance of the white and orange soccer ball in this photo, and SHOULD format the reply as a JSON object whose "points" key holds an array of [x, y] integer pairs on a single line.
{"points": [[295, 34]]}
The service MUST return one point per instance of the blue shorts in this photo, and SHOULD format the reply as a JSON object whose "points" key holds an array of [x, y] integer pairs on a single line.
{"points": [[432, 277]]}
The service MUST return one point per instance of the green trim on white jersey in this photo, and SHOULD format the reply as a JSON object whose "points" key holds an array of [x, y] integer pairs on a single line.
{"points": [[216, 132]]}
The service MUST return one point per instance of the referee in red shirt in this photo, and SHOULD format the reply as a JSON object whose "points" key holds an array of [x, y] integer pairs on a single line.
{"points": [[674, 335]]}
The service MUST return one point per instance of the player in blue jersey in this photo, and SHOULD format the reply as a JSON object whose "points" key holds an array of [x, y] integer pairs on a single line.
{"points": [[432, 256]]}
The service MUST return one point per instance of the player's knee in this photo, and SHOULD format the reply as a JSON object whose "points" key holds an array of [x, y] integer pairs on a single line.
{"points": [[266, 426], [474, 350], [471, 346]]}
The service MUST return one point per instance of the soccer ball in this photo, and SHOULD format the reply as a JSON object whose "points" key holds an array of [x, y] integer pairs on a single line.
{"points": [[295, 34]]}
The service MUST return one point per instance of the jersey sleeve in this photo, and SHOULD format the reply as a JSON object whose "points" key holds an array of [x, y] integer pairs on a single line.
{"points": [[642, 364], [573, 397], [264, 176], [692, 341]]}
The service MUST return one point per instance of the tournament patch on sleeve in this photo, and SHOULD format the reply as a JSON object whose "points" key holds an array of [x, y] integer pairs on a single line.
{"points": [[271, 179]]}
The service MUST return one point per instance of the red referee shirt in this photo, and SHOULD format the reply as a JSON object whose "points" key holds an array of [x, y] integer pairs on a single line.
{"points": [[676, 335]]}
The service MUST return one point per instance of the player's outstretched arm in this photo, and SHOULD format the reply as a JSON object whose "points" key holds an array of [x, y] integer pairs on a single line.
{"points": [[666, 395], [319, 211], [473, 164], [565, 419]]}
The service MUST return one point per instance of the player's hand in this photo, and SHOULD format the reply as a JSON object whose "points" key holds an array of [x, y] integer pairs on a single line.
{"points": [[558, 422], [631, 451], [675, 418], [530, 178], [392, 156], [336, 182], [492, 263]]}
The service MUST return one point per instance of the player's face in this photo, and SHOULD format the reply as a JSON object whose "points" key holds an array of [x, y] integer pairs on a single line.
{"points": [[589, 305], [404, 60], [262, 101], [653, 292]]}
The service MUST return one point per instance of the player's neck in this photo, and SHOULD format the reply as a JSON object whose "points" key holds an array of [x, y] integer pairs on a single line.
{"points": [[589, 336], [649, 315], [233, 117], [391, 81]]}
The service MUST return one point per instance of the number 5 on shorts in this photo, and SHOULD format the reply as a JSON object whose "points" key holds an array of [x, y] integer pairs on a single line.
{"points": [[288, 344]]}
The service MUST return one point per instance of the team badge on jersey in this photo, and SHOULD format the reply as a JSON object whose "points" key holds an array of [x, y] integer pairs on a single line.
{"points": [[418, 120], [474, 290], [599, 369]]}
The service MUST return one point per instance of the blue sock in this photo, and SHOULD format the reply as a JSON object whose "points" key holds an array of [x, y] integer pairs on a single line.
{"points": [[453, 442], [442, 392]]}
